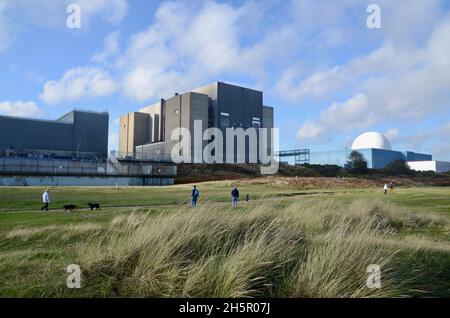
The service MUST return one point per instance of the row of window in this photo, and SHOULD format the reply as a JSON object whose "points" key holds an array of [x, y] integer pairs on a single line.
{"points": [[225, 121]]}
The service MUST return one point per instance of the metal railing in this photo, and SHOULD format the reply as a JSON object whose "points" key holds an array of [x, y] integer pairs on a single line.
{"points": [[51, 166], [140, 156], [301, 155], [26, 166], [51, 154]]}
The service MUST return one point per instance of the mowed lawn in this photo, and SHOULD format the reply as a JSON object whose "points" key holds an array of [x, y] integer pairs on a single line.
{"points": [[32, 241]]}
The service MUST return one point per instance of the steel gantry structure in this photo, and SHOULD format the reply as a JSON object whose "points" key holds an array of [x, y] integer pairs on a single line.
{"points": [[301, 156]]}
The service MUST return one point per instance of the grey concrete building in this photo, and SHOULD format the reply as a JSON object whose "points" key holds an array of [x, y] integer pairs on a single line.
{"points": [[77, 134], [218, 105]]}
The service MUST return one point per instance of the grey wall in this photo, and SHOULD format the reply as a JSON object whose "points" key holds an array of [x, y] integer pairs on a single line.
{"points": [[76, 131], [35, 134], [91, 132], [206, 104], [241, 103], [211, 91], [181, 111], [267, 122], [267, 117]]}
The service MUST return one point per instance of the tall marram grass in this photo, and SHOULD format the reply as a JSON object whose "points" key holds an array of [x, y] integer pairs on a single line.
{"points": [[308, 249]]}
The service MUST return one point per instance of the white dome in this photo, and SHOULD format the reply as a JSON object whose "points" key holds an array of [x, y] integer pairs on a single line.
{"points": [[371, 140]]}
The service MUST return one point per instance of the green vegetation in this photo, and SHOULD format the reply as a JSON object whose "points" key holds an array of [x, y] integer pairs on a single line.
{"points": [[356, 162], [290, 241], [356, 167]]}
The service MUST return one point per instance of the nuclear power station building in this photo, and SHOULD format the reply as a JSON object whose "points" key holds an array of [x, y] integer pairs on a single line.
{"points": [[220, 105], [70, 151], [75, 135], [378, 152]]}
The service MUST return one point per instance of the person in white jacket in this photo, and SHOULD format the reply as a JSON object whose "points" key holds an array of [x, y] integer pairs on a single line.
{"points": [[385, 188], [46, 199]]}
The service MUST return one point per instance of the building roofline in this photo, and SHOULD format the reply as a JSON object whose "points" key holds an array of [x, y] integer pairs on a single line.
{"points": [[76, 110], [193, 90], [235, 85], [36, 119], [58, 120]]}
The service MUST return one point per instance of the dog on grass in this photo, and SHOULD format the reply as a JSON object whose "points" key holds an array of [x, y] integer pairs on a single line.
{"points": [[69, 207], [94, 206]]}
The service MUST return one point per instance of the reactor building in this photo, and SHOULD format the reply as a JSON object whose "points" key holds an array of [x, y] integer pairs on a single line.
{"points": [[70, 151], [219, 105], [378, 152], [77, 135]]}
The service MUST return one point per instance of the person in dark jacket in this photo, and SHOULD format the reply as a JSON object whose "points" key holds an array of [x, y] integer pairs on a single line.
{"points": [[195, 194], [235, 195]]}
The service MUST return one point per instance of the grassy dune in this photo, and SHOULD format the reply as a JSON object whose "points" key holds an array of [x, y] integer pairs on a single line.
{"points": [[290, 243]]}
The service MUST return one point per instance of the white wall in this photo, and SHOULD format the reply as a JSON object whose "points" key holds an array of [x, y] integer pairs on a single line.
{"points": [[436, 166]]}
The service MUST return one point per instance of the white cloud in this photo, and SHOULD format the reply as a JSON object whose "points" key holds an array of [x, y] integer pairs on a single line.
{"points": [[52, 13], [18, 15], [315, 86], [352, 114], [433, 140], [392, 135], [310, 131], [111, 48], [203, 44], [76, 83], [399, 84], [19, 109], [112, 11]]}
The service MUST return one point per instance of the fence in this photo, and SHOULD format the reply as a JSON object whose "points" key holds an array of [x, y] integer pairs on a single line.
{"points": [[140, 156], [67, 167], [49, 166], [51, 154]]}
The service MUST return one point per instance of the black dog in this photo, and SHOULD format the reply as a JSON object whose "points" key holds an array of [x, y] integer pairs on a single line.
{"points": [[69, 207], [94, 206]]}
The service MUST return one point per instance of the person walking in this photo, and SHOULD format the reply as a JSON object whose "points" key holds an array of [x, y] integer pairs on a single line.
{"points": [[235, 196], [247, 198], [391, 187], [46, 200], [195, 194]]}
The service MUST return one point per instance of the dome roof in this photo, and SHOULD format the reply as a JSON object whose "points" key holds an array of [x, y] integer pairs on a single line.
{"points": [[371, 140]]}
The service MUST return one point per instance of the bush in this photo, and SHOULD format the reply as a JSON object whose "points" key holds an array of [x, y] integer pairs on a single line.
{"points": [[356, 162], [397, 167]]}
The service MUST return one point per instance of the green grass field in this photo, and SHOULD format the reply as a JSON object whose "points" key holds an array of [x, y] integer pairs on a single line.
{"points": [[148, 242]]}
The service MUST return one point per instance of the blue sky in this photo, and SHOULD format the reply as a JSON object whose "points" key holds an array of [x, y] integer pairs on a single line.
{"points": [[327, 74]]}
